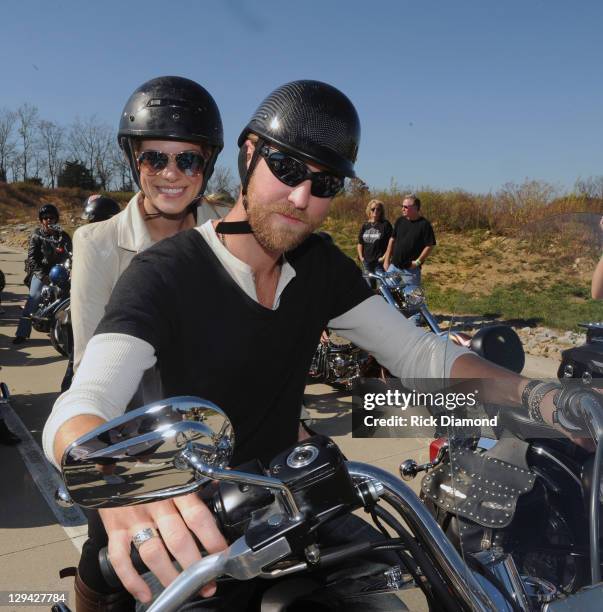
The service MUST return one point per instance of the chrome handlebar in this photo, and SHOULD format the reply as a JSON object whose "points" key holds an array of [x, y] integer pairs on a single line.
{"points": [[242, 563]]}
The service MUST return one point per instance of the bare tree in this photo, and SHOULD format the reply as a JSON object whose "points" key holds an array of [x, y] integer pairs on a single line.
{"points": [[7, 144], [222, 181], [90, 142], [591, 187], [15, 163], [105, 166], [27, 116], [121, 168], [51, 138]]}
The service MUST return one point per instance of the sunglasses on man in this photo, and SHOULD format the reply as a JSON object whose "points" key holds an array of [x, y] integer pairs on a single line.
{"points": [[190, 163], [291, 171]]}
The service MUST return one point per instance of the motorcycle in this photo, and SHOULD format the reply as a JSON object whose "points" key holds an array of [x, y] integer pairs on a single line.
{"points": [[515, 487], [52, 315], [272, 516], [585, 362], [342, 364], [408, 299], [339, 362]]}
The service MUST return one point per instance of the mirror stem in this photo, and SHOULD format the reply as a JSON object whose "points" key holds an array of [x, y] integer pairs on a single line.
{"points": [[217, 473]]}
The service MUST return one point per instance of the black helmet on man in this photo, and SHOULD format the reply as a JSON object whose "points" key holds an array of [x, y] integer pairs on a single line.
{"points": [[99, 208], [171, 108], [310, 120], [48, 211]]}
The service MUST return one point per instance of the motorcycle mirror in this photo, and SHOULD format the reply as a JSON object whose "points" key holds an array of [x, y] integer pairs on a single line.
{"points": [[501, 345], [138, 457]]}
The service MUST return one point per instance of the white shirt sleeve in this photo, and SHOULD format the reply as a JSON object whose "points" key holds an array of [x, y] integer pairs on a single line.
{"points": [[105, 382], [92, 279], [407, 351]]}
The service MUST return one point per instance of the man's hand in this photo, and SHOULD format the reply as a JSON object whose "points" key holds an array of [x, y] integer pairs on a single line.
{"points": [[175, 520]]}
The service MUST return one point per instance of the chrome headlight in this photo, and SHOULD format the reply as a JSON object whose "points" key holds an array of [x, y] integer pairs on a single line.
{"points": [[414, 296], [393, 279]]}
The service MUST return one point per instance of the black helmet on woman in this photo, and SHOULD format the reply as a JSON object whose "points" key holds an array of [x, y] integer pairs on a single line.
{"points": [[171, 108], [99, 208], [310, 120], [48, 211]]}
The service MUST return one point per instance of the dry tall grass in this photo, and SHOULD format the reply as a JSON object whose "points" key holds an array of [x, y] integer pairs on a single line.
{"points": [[502, 212]]}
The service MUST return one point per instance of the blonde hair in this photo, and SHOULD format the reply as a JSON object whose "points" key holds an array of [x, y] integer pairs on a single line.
{"points": [[375, 203]]}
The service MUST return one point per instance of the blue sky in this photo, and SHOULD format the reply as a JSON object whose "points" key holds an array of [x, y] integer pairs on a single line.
{"points": [[468, 94]]}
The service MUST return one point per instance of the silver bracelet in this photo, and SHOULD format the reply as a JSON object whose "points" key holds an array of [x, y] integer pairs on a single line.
{"points": [[535, 398]]}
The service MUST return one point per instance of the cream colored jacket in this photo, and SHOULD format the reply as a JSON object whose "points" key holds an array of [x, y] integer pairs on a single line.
{"points": [[101, 252]]}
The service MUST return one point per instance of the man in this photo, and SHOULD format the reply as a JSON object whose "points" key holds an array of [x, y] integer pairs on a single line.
{"points": [[410, 245], [263, 286], [48, 245]]}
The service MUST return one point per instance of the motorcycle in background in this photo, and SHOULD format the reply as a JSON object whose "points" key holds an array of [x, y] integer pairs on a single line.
{"points": [[340, 363], [52, 315], [585, 362]]}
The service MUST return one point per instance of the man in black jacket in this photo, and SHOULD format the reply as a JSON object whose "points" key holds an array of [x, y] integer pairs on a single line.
{"points": [[48, 245]]}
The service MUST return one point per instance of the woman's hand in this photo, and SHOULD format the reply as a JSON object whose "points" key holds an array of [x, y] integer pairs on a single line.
{"points": [[175, 519]]}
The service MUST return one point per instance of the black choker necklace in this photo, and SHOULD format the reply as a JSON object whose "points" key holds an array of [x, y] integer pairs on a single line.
{"points": [[234, 227]]}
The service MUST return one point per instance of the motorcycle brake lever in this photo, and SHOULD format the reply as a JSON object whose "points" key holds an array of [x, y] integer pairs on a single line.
{"points": [[238, 561]]}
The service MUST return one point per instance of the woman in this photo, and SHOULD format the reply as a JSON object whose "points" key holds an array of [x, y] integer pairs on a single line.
{"points": [[373, 237], [171, 133]]}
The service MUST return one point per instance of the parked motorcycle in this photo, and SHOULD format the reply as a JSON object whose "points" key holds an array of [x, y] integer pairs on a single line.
{"points": [[408, 299], [272, 515], [517, 487], [340, 363], [52, 315], [585, 362]]}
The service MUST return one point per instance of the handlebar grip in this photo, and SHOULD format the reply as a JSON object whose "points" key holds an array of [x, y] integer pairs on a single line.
{"points": [[578, 410], [109, 574]]}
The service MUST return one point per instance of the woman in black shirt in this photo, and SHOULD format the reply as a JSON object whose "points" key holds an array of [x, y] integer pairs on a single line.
{"points": [[374, 237]]}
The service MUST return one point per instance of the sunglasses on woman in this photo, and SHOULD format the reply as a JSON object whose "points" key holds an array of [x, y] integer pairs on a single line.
{"points": [[190, 163], [292, 172]]}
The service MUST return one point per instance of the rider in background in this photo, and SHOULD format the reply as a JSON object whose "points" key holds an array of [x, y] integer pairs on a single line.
{"points": [[99, 208], [48, 245], [373, 238]]}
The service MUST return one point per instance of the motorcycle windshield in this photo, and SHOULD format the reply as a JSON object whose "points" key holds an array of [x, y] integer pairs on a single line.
{"points": [[503, 485]]}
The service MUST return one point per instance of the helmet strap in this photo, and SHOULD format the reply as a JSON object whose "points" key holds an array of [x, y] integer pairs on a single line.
{"points": [[234, 227]]}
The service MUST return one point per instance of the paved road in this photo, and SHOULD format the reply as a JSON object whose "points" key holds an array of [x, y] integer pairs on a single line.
{"points": [[37, 539]]}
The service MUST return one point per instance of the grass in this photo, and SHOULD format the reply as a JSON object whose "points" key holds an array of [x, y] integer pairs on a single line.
{"points": [[559, 306]]}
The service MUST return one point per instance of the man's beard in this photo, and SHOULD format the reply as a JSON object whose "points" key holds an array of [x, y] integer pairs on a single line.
{"points": [[285, 238]]}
